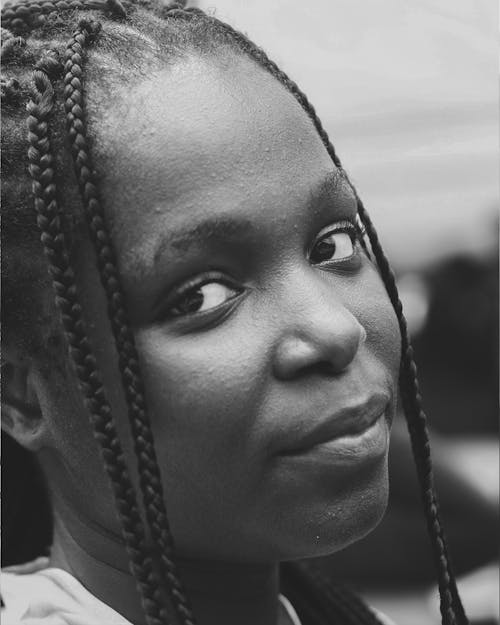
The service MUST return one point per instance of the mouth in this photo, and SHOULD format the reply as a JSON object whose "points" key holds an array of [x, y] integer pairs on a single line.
{"points": [[348, 422]]}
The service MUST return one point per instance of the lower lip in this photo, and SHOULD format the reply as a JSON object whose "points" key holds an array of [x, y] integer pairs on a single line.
{"points": [[370, 444]]}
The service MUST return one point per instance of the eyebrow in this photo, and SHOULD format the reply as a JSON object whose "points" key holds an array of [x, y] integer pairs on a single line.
{"points": [[213, 228], [329, 187], [225, 229]]}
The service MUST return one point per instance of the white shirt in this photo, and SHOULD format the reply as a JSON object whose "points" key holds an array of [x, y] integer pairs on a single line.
{"points": [[36, 595]]}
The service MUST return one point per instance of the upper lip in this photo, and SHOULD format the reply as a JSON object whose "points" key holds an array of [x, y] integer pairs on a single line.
{"points": [[349, 420]]}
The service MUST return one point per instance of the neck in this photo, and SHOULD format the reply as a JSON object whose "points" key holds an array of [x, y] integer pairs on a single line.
{"points": [[221, 593]]}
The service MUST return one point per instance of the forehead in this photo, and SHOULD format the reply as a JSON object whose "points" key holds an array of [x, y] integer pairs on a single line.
{"points": [[217, 136]]}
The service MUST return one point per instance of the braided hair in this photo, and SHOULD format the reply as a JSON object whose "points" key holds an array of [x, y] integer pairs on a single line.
{"points": [[45, 51]]}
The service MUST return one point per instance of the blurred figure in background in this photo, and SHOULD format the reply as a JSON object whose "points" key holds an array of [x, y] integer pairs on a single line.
{"points": [[458, 346]]}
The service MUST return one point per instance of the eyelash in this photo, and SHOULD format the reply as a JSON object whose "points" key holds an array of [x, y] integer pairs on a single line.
{"points": [[195, 284], [355, 230]]}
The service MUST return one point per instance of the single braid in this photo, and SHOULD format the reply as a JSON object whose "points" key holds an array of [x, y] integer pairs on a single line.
{"points": [[452, 610], [41, 168], [450, 604], [149, 472]]}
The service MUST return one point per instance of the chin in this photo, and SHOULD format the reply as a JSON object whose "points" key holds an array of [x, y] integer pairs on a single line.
{"points": [[336, 524]]}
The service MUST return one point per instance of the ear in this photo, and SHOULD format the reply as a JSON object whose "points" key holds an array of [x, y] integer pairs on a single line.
{"points": [[21, 414]]}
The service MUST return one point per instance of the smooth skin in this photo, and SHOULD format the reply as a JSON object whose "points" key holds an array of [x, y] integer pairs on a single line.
{"points": [[257, 317]]}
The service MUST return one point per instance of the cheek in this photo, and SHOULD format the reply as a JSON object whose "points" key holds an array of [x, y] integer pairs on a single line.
{"points": [[370, 303], [203, 394]]}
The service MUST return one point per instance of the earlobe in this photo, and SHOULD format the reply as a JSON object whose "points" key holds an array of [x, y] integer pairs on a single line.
{"points": [[21, 414]]}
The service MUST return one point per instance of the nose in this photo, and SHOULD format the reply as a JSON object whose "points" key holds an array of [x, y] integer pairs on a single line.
{"points": [[318, 334]]}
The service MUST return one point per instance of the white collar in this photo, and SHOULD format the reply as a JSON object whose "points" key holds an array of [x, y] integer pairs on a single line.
{"points": [[289, 609]]}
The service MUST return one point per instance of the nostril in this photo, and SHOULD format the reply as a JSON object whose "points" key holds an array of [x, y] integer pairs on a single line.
{"points": [[326, 368]]}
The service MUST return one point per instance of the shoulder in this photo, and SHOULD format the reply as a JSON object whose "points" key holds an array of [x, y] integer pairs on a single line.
{"points": [[43, 596]]}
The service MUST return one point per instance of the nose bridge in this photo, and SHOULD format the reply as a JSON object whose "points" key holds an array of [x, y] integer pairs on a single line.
{"points": [[317, 328], [312, 297]]}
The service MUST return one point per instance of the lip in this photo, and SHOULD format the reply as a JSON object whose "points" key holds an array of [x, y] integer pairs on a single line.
{"points": [[349, 421]]}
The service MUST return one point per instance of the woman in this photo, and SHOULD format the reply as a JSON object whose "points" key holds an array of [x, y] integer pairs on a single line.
{"points": [[254, 341]]}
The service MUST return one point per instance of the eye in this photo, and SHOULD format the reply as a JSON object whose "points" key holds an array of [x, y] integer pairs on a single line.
{"points": [[202, 298], [333, 246]]}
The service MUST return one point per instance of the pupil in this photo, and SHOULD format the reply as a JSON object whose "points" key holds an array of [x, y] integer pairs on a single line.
{"points": [[323, 250], [191, 303]]}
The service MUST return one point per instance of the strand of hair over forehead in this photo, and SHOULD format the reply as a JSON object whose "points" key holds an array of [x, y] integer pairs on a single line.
{"points": [[149, 473], [21, 17]]}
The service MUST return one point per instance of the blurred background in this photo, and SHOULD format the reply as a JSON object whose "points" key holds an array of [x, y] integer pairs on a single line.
{"points": [[408, 92]]}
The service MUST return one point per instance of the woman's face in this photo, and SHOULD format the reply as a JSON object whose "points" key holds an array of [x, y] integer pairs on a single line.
{"points": [[269, 349]]}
